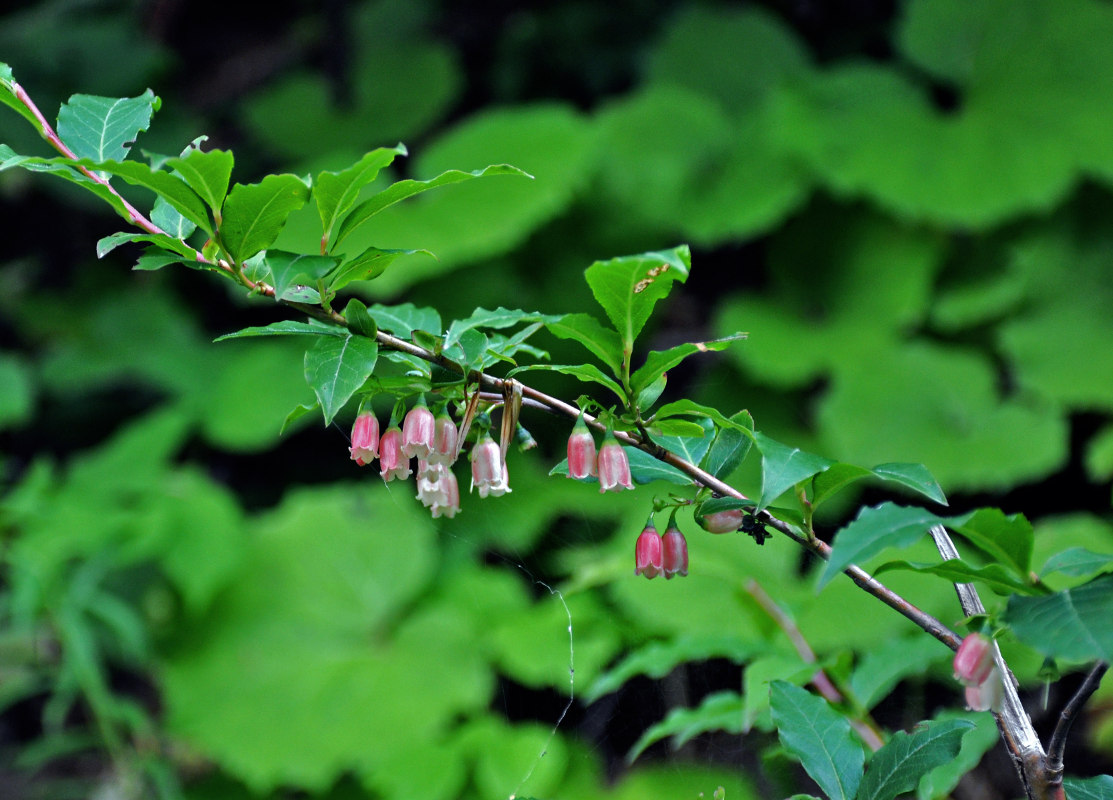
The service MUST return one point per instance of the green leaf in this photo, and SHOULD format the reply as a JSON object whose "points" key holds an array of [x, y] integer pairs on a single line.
{"points": [[287, 328], [604, 343], [336, 192], [366, 266], [399, 191], [660, 361], [359, 320], [207, 172], [819, 737], [170, 188], [1077, 561], [169, 243], [725, 504], [290, 269], [497, 319], [402, 320], [693, 409], [154, 259], [8, 96], [874, 529], [588, 373], [898, 766], [335, 367], [1099, 788], [730, 447], [1075, 624], [832, 480], [782, 467], [63, 168], [628, 287], [297, 413], [885, 665], [691, 448], [104, 128], [254, 213], [997, 577], [721, 711], [644, 468], [915, 476], [1007, 538], [171, 220]]}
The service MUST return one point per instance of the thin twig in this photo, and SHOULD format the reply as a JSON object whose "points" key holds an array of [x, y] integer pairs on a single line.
{"points": [[1058, 742]]}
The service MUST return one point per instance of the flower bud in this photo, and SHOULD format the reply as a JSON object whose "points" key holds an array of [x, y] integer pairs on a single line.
{"points": [[989, 695], [614, 467], [674, 552], [392, 462], [418, 431], [648, 558], [365, 439], [726, 521], [581, 451], [974, 660]]}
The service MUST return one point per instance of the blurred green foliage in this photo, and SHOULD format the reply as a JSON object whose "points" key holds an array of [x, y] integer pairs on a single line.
{"points": [[918, 243]]}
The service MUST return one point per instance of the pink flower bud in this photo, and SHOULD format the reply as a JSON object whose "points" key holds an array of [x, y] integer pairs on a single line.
{"points": [[365, 439], [726, 521], [614, 467], [444, 440], [989, 695], [974, 660], [392, 462], [418, 431], [648, 559], [488, 470], [581, 451], [674, 553]]}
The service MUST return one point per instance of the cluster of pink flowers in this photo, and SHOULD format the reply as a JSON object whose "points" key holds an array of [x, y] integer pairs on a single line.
{"points": [[976, 668], [611, 464], [432, 440], [661, 555]]}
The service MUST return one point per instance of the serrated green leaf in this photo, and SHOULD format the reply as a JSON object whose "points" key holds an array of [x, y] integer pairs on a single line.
{"points": [[1099, 788], [336, 192], [996, 576], [604, 343], [104, 128], [335, 367], [819, 737], [169, 219], [657, 362], [588, 373], [254, 214], [207, 172], [730, 448], [1074, 624], [874, 529], [1007, 538], [291, 269], [782, 467], [469, 350], [898, 766], [497, 319], [721, 711], [629, 286], [399, 191], [287, 327], [1077, 561], [172, 189]]}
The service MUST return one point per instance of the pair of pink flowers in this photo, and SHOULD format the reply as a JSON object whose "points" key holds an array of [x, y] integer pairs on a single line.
{"points": [[975, 667], [661, 555], [611, 464]]}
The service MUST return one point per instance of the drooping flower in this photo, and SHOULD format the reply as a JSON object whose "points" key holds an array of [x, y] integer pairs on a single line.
{"points": [[444, 440], [613, 466], [974, 660], [488, 470], [674, 551], [581, 451], [648, 558], [989, 695], [726, 521], [418, 431], [365, 438], [448, 501], [393, 463]]}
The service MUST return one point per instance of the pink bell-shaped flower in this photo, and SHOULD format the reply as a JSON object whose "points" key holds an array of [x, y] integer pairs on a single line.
{"points": [[648, 558], [974, 660], [726, 521], [989, 695], [365, 439], [488, 470], [581, 451], [614, 466], [445, 437], [447, 502], [418, 430], [674, 551], [393, 463]]}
